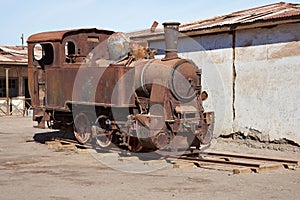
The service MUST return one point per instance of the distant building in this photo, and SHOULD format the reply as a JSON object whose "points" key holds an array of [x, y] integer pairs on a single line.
{"points": [[251, 68], [13, 70]]}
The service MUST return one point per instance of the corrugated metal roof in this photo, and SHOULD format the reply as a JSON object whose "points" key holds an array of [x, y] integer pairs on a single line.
{"points": [[272, 12], [13, 55], [275, 11], [146, 32]]}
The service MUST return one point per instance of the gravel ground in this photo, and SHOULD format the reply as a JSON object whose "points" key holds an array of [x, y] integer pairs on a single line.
{"points": [[31, 170]]}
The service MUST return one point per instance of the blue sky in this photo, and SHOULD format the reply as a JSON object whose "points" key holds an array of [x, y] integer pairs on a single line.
{"points": [[33, 16]]}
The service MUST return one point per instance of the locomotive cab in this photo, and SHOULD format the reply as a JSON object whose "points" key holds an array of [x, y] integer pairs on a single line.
{"points": [[53, 59]]}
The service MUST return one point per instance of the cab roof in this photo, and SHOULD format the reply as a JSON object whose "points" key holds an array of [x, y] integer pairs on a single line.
{"points": [[53, 36]]}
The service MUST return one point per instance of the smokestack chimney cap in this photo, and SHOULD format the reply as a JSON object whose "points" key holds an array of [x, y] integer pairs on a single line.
{"points": [[171, 24], [171, 40]]}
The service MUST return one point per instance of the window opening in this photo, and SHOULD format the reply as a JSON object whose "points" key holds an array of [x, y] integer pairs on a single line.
{"points": [[70, 52], [43, 54], [13, 87]]}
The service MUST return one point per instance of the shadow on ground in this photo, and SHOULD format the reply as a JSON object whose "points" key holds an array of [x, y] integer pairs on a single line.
{"points": [[143, 155], [48, 136]]}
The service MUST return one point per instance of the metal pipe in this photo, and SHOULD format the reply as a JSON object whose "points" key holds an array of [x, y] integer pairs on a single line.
{"points": [[153, 27], [171, 40]]}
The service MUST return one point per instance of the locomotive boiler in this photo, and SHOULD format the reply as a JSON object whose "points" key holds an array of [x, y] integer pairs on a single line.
{"points": [[111, 91]]}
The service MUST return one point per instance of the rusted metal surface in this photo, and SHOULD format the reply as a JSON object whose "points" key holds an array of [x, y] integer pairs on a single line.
{"points": [[60, 80], [177, 74], [55, 36], [171, 40], [272, 13], [118, 46], [154, 26], [92, 83], [91, 88], [275, 11], [60, 50]]}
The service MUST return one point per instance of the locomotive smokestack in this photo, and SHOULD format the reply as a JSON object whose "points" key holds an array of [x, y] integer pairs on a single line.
{"points": [[171, 39]]}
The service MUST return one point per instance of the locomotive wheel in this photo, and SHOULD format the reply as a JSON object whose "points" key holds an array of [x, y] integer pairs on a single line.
{"points": [[82, 128], [103, 140], [101, 131]]}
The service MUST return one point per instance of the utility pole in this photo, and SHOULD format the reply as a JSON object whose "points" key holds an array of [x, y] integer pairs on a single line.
{"points": [[22, 38]]}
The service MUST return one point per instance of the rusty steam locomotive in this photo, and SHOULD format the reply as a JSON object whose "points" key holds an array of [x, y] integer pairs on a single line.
{"points": [[107, 90]]}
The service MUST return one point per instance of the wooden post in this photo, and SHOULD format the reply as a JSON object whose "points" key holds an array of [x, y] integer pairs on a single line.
{"points": [[21, 91], [7, 91]]}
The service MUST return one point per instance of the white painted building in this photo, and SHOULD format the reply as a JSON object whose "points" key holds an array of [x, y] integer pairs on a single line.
{"points": [[251, 68]]}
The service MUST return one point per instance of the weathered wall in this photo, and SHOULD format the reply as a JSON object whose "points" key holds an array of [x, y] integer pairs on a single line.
{"points": [[266, 97], [14, 72], [267, 86]]}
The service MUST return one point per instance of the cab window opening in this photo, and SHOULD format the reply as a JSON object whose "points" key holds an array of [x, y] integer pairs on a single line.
{"points": [[43, 54], [70, 52]]}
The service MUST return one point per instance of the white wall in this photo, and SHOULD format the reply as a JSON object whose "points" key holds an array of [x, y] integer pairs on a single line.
{"points": [[267, 89]]}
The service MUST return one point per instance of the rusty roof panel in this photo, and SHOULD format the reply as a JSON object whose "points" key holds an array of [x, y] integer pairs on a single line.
{"points": [[272, 12], [59, 35], [275, 11], [13, 54]]}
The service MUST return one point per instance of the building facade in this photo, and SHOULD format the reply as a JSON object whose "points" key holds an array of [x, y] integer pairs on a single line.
{"points": [[251, 67], [13, 80]]}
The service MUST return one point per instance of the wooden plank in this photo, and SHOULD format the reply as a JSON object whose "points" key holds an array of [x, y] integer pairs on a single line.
{"points": [[68, 141], [183, 165], [244, 170], [270, 167], [81, 151], [53, 143], [68, 146]]}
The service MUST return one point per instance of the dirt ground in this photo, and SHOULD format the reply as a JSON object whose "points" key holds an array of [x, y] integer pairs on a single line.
{"points": [[31, 170]]}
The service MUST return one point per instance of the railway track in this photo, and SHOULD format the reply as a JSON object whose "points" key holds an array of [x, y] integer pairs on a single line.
{"points": [[239, 163], [235, 163]]}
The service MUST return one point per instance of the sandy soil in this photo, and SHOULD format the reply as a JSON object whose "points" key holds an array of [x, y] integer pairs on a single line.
{"points": [[30, 170]]}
